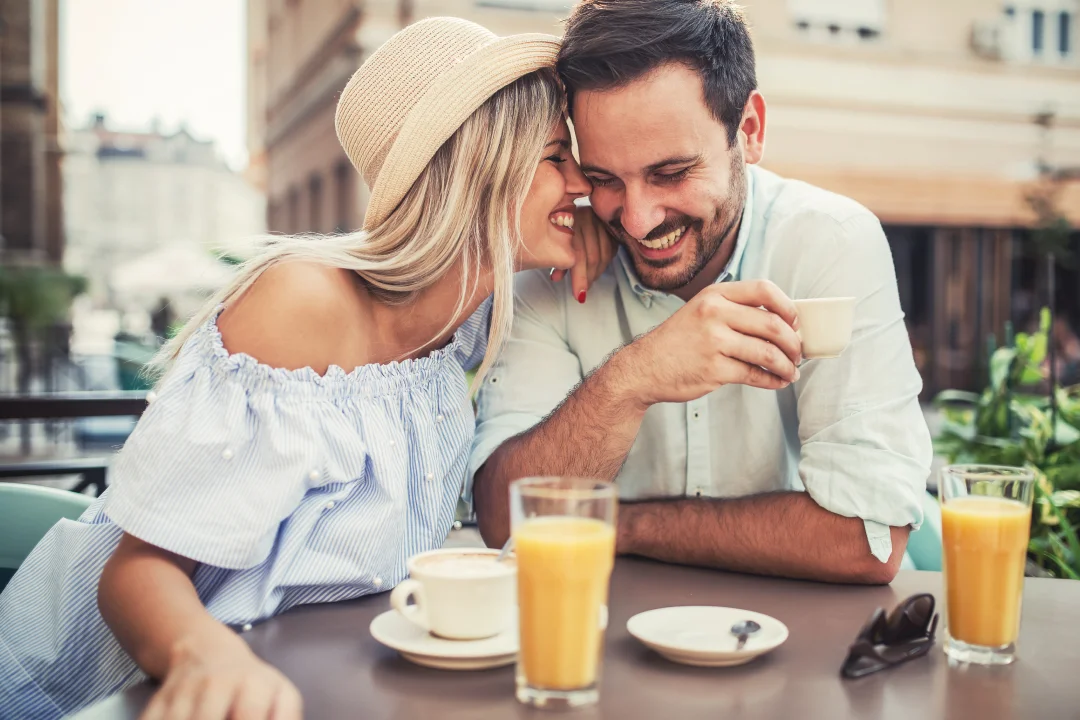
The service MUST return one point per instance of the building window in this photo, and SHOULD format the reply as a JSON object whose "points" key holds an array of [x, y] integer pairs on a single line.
{"points": [[315, 198], [1038, 20], [862, 18], [558, 5], [1064, 21], [294, 210], [343, 176]]}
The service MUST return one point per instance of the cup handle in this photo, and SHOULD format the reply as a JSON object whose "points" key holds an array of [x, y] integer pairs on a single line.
{"points": [[399, 600]]}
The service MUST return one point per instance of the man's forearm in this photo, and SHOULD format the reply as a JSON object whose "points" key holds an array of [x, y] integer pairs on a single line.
{"points": [[588, 436], [785, 534]]}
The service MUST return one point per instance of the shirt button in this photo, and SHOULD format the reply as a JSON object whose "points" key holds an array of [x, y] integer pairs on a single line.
{"points": [[314, 475], [246, 627], [329, 505], [151, 397], [698, 493], [227, 454], [430, 476], [439, 418], [377, 582], [392, 443], [696, 414]]}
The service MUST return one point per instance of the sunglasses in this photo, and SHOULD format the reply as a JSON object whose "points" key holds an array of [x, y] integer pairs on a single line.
{"points": [[888, 640]]}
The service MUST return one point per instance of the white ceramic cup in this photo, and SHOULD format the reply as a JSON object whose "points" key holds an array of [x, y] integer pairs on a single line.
{"points": [[459, 593], [825, 326]]}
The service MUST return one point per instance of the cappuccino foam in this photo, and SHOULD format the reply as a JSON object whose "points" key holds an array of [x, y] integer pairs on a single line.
{"points": [[464, 566]]}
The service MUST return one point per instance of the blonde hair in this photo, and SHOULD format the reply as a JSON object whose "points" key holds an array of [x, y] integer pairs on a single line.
{"points": [[464, 209]]}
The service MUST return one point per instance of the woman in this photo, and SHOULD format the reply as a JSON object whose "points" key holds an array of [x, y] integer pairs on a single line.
{"points": [[264, 474]]}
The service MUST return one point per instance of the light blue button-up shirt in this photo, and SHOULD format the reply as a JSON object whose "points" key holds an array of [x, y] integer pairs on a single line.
{"points": [[850, 431]]}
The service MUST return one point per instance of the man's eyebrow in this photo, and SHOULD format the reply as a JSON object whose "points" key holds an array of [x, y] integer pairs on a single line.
{"points": [[683, 160]]}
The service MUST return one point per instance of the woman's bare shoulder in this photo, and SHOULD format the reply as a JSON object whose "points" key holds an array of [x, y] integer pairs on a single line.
{"points": [[295, 315]]}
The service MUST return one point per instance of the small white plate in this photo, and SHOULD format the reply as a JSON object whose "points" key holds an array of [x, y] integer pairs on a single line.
{"points": [[423, 648], [701, 635]]}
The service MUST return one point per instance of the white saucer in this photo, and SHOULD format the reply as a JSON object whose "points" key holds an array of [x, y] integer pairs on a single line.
{"points": [[701, 635], [423, 648]]}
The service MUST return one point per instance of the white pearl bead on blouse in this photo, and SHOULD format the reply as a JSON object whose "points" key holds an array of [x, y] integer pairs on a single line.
{"points": [[227, 454]]}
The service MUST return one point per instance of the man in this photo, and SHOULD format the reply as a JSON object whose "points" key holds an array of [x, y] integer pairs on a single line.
{"points": [[680, 375]]}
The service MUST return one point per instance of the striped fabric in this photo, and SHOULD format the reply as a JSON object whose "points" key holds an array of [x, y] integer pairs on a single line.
{"points": [[286, 486]]}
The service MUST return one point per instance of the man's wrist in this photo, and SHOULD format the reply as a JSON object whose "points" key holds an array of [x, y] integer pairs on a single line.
{"points": [[621, 381]]}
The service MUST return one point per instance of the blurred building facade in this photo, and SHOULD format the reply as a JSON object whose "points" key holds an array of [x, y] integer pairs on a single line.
{"points": [[31, 198], [922, 110], [131, 197]]}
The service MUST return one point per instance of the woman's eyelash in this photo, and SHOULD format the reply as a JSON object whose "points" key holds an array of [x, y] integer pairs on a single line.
{"points": [[557, 159]]}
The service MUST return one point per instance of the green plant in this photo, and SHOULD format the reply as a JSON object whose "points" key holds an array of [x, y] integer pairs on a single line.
{"points": [[1006, 426], [34, 298]]}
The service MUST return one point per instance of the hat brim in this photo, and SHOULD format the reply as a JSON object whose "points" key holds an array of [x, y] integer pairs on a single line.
{"points": [[448, 103]]}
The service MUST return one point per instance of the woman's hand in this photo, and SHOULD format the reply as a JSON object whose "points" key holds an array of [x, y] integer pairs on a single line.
{"points": [[222, 681], [594, 249]]}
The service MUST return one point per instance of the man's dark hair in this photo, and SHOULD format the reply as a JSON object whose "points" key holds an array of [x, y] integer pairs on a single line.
{"points": [[611, 43]]}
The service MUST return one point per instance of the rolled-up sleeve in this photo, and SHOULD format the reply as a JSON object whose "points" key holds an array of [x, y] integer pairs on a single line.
{"points": [[866, 449], [535, 372]]}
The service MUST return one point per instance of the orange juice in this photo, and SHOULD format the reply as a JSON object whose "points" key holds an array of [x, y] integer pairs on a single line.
{"points": [[984, 540], [564, 565]]}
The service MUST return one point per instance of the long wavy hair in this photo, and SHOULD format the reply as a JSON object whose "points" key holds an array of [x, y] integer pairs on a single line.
{"points": [[463, 213]]}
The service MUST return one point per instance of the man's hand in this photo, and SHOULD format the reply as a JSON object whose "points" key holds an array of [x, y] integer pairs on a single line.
{"points": [[594, 249], [739, 332]]}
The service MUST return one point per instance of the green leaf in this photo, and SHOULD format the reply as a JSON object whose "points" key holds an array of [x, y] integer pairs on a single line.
{"points": [[1073, 543], [1031, 376], [1000, 363], [946, 397], [1063, 570], [1065, 434], [1038, 349]]}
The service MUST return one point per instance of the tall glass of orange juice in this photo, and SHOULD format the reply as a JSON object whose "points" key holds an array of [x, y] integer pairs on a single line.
{"points": [[985, 526], [564, 537]]}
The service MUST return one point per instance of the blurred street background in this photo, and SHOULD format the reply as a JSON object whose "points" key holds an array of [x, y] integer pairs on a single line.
{"points": [[146, 144]]}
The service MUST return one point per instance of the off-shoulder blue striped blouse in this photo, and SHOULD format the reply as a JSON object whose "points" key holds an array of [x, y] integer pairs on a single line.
{"points": [[286, 486]]}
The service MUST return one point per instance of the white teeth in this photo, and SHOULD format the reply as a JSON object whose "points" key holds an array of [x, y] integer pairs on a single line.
{"points": [[664, 242], [563, 220]]}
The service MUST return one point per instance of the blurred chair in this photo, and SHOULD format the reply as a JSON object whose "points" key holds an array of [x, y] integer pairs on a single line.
{"points": [[26, 514], [924, 545]]}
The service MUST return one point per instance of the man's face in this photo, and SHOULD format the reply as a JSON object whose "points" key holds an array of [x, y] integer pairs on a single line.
{"points": [[664, 180]]}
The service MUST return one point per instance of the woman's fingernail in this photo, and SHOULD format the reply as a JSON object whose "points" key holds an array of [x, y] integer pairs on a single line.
{"points": [[551, 274], [581, 297], [797, 374]]}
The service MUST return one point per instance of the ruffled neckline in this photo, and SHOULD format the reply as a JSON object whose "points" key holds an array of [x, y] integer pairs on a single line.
{"points": [[367, 380]]}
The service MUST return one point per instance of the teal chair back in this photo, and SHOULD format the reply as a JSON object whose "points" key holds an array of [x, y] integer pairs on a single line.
{"points": [[924, 545], [26, 514]]}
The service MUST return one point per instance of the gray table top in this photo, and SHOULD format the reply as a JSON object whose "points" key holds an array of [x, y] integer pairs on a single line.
{"points": [[342, 672]]}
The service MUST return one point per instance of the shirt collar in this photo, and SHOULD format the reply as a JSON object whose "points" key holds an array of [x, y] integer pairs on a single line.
{"points": [[731, 270]]}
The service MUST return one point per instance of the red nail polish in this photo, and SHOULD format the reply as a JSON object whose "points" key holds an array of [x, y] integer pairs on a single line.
{"points": [[581, 297]]}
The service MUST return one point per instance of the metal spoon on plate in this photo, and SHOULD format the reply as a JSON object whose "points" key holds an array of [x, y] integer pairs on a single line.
{"points": [[743, 630]]}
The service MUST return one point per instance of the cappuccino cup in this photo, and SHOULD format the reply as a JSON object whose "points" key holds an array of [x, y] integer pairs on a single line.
{"points": [[825, 326], [459, 593]]}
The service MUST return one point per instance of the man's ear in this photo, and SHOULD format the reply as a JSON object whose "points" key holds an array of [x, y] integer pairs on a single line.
{"points": [[752, 128]]}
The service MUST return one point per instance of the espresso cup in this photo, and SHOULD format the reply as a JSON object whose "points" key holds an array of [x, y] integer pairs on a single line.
{"points": [[459, 594], [825, 326]]}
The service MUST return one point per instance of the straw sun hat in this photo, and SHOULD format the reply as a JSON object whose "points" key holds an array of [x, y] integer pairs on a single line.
{"points": [[416, 90]]}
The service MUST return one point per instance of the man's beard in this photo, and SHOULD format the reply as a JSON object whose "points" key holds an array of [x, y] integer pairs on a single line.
{"points": [[707, 236]]}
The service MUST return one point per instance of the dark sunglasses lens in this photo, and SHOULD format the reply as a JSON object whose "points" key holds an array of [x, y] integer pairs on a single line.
{"points": [[910, 620], [874, 628]]}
